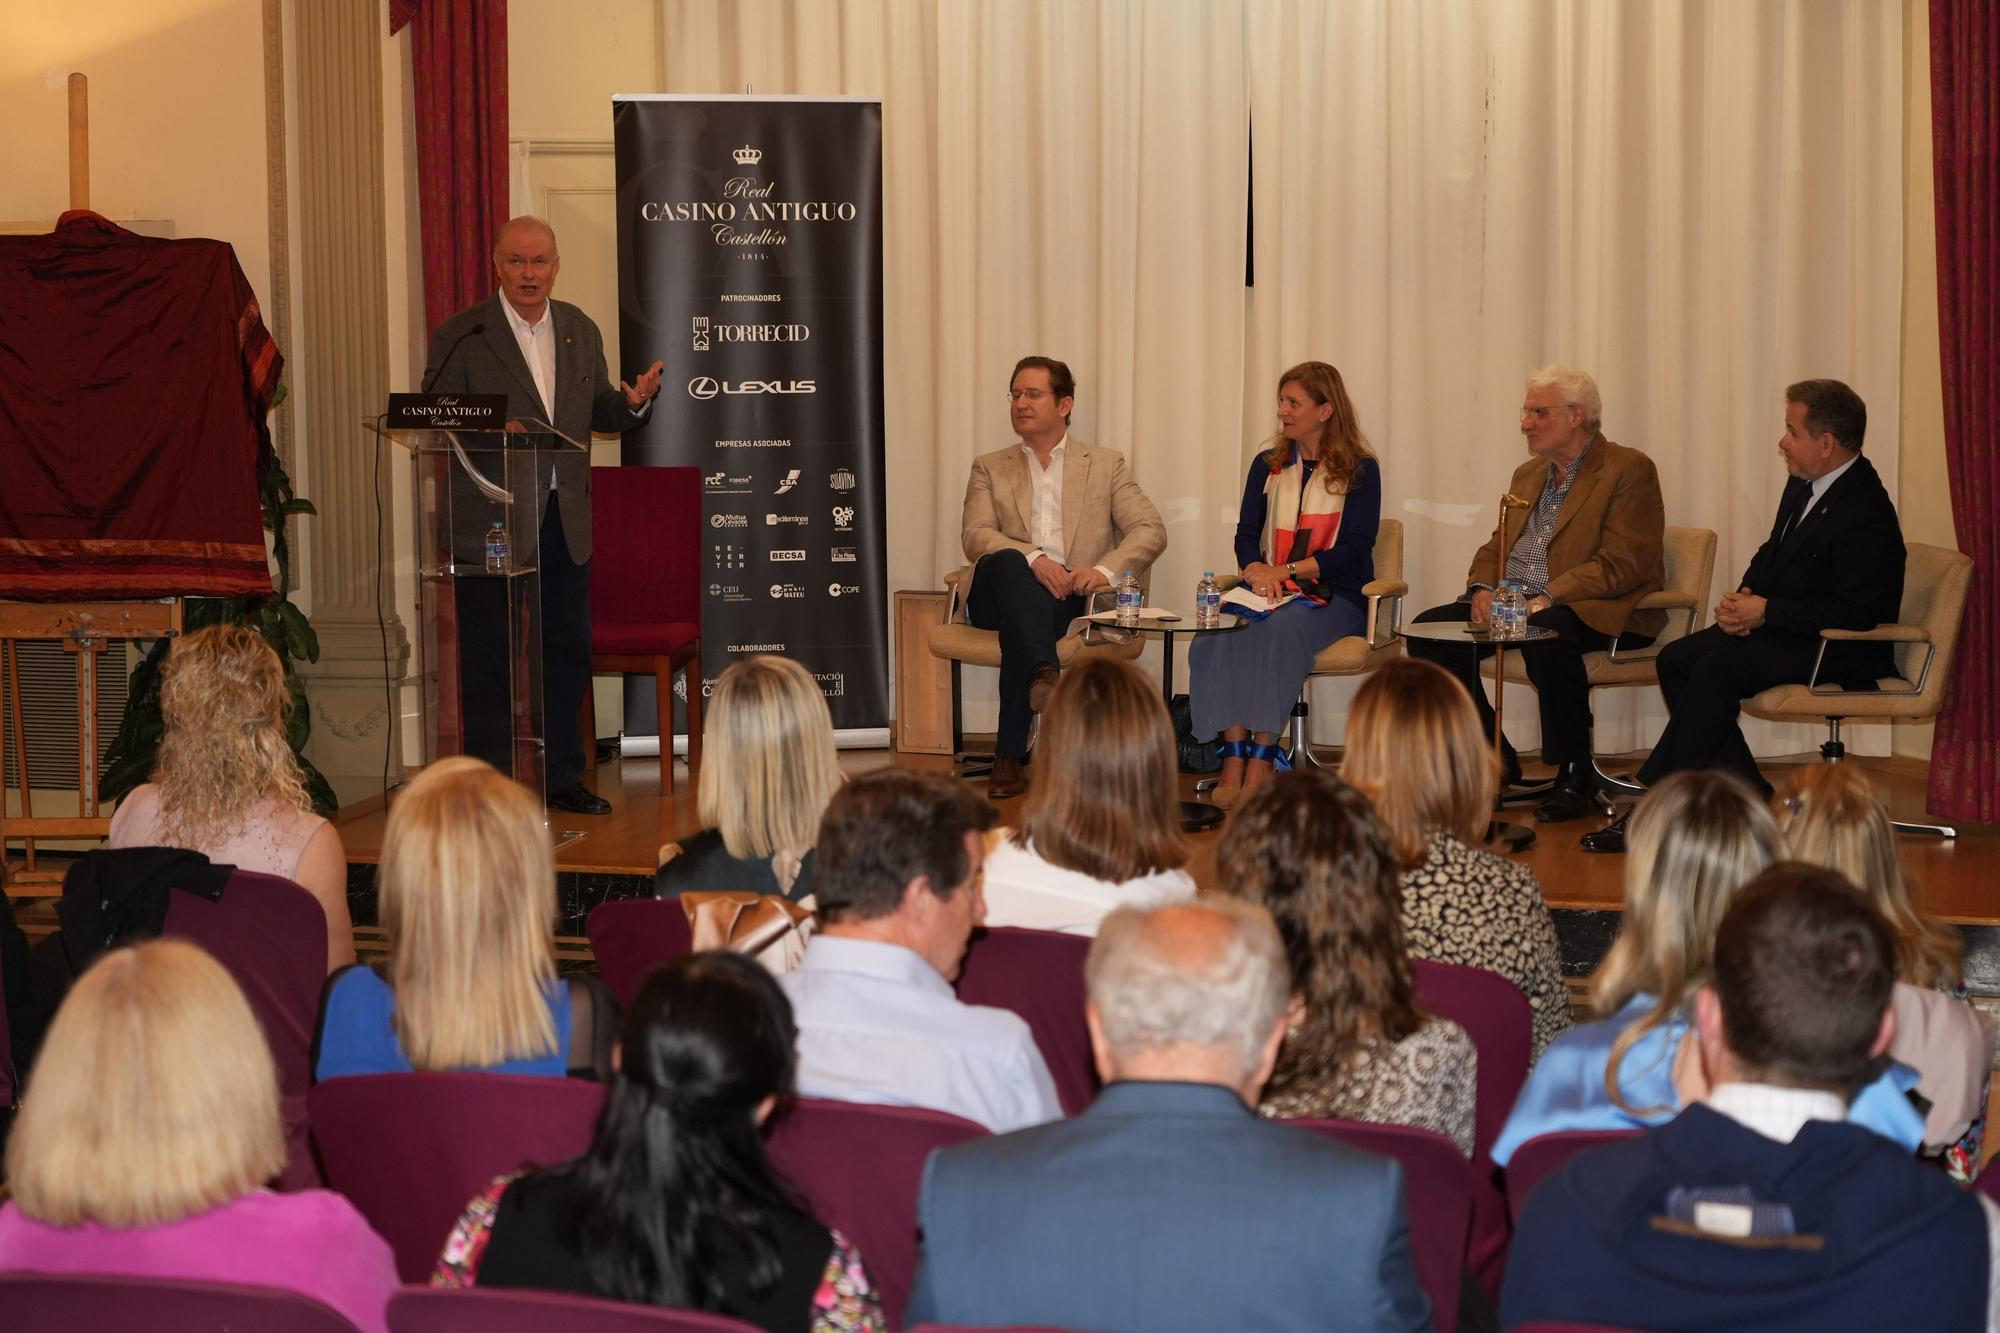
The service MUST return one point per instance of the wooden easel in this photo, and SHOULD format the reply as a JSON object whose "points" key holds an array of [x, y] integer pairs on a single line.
{"points": [[84, 629]]}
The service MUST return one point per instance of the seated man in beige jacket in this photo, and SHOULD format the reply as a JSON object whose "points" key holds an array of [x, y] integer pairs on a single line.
{"points": [[1046, 521]]}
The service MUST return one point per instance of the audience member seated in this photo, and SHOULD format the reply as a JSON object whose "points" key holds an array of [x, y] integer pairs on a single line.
{"points": [[228, 785], [1760, 1209], [1696, 839], [150, 1129], [898, 887], [1415, 750], [1319, 475], [1307, 847], [1102, 826], [1832, 818], [467, 893], [1168, 1205], [675, 1203], [768, 769]]}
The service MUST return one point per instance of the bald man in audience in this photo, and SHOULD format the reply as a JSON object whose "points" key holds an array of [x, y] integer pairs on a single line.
{"points": [[897, 881], [1169, 1205], [1761, 1206]]}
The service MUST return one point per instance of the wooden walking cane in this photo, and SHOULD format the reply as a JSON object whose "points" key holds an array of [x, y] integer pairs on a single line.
{"points": [[1507, 501]]}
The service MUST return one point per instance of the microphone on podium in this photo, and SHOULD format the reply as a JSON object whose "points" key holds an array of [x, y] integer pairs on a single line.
{"points": [[450, 352]]}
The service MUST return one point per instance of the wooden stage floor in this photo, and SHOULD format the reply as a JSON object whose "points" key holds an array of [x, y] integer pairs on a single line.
{"points": [[614, 855]]}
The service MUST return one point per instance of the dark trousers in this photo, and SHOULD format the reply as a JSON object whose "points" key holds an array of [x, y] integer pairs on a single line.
{"points": [[1705, 677], [484, 605], [1006, 596], [1555, 666]]}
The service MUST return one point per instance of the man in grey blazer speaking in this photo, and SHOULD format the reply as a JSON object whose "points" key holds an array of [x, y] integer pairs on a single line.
{"points": [[1046, 521], [548, 358], [1169, 1205]]}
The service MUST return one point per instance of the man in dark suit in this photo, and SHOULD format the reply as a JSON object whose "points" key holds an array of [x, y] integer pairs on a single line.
{"points": [[1584, 546], [1834, 560], [1760, 1207], [548, 358], [1169, 1205], [1046, 521]]}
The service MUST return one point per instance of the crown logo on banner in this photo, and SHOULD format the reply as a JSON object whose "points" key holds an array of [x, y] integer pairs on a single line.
{"points": [[748, 156]]}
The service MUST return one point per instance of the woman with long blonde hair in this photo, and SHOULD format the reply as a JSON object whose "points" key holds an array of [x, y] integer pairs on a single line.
{"points": [[1414, 749], [1308, 848], [1832, 818], [467, 892], [768, 769], [227, 784], [1306, 532], [148, 1134], [1102, 825], [1696, 839]]}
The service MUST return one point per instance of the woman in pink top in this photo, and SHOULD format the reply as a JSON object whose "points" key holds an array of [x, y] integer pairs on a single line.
{"points": [[150, 1125], [228, 785]]}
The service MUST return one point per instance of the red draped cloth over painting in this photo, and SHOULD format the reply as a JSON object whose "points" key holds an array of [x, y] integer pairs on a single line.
{"points": [[1965, 134], [458, 63], [134, 378]]}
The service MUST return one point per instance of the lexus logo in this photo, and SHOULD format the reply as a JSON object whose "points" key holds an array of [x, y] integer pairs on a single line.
{"points": [[704, 387]]}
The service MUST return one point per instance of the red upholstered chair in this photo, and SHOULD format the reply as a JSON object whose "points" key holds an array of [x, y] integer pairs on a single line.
{"points": [[1496, 1016], [410, 1150], [861, 1167], [1541, 1157], [632, 936], [1988, 1181], [516, 1310], [1038, 974], [1437, 1187], [271, 936], [645, 593], [988, 1328], [52, 1303]]}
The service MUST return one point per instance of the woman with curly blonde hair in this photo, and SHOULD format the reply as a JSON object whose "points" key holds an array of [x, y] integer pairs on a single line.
{"points": [[1309, 849], [227, 784]]}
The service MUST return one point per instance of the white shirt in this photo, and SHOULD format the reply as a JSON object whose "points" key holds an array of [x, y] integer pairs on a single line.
{"points": [[878, 1024], [1780, 1113], [1822, 483], [1045, 528], [537, 342], [1022, 889]]}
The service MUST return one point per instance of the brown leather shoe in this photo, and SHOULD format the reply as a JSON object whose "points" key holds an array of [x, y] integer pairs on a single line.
{"points": [[1043, 685], [1007, 779]]}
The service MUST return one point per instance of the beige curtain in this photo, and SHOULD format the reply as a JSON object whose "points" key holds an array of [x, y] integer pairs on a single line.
{"points": [[1697, 200]]}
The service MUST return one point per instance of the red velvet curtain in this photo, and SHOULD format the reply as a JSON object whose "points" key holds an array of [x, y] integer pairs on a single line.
{"points": [[1965, 134], [459, 50]]}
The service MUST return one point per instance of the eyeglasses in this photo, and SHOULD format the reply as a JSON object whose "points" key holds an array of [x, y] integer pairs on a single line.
{"points": [[1032, 395], [1542, 413]]}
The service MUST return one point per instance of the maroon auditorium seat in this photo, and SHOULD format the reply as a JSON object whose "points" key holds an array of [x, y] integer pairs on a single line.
{"points": [[1038, 974], [63, 1303], [1437, 1187], [410, 1150], [271, 936], [1545, 1154], [861, 1168], [632, 936], [1497, 1017]]}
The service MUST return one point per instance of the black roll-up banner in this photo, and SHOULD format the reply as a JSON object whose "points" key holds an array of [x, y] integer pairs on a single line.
{"points": [[750, 263]]}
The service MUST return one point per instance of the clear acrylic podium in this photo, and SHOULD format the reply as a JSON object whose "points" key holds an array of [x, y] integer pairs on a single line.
{"points": [[479, 622]]}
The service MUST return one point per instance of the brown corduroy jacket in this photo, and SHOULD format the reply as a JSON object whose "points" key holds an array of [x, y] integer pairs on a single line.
{"points": [[1605, 553]]}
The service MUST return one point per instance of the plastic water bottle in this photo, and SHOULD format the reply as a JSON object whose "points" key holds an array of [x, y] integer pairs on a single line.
{"points": [[1510, 611], [1128, 600], [497, 549], [1207, 601]]}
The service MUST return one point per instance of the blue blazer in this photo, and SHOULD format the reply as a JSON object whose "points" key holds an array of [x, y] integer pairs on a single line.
{"points": [[1565, 1090], [1166, 1207]]}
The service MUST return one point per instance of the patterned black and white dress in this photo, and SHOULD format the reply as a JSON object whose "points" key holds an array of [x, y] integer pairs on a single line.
{"points": [[1478, 909]]}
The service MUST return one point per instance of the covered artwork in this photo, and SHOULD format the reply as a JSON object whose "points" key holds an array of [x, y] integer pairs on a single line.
{"points": [[135, 374]]}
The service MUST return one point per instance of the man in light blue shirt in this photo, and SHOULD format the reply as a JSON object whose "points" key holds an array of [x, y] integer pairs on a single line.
{"points": [[897, 880]]}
